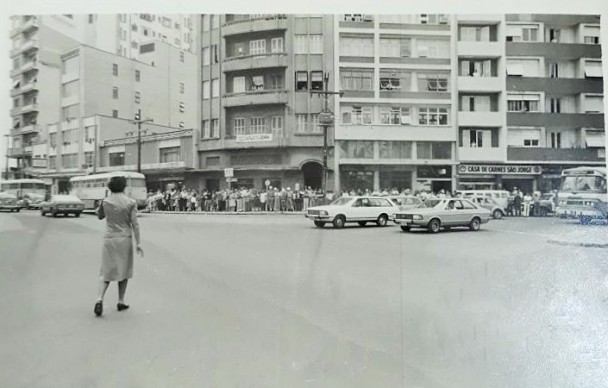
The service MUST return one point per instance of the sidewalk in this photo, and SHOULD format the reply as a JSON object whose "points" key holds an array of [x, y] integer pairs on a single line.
{"points": [[216, 213]]}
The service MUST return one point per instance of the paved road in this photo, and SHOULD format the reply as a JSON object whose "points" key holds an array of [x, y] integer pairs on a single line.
{"points": [[271, 301]]}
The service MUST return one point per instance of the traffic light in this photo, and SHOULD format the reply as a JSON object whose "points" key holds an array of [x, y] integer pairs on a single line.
{"points": [[137, 116]]}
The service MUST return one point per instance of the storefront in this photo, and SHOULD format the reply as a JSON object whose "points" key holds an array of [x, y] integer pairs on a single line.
{"points": [[398, 177], [499, 177]]}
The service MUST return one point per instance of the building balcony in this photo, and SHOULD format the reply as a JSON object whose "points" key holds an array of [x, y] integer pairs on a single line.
{"points": [[480, 84], [19, 152], [25, 47], [255, 97], [541, 119], [394, 132], [257, 61], [255, 23], [31, 65], [481, 154], [538, 154], [24, 89], [555, 86], [480, 49], [26, 26], [32, 107], [563, 51], [32, 128], [16, 111], [480, 119]]}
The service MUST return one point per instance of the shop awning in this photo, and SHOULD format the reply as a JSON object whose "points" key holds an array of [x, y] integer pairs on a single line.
{"points": [[595, 139]]}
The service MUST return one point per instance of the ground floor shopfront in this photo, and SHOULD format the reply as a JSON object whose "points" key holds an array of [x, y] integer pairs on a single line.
{"points": [[527, 178], [394, 177]]}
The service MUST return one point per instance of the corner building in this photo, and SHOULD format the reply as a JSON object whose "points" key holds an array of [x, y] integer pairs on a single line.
{"points": [[257, 114], [395, 120]]}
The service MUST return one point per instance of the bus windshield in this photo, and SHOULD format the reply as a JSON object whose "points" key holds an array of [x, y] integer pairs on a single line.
{"points": [[137, 182], [583, 183]]}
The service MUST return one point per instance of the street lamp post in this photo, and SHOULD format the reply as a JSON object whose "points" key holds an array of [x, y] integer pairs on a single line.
{"points": [[6, 167], [326, 119], [138, 120]]}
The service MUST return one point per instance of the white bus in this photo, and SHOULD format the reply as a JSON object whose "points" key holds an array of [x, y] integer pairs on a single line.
{"points": [[92, 189], [583, 194], [25, 189]]}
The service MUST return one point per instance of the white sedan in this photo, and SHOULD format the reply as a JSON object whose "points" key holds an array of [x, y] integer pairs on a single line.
{"points": [[360, 209]]}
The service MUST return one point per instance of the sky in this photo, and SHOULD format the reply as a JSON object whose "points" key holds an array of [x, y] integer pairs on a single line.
{"points": [[268, 6]]}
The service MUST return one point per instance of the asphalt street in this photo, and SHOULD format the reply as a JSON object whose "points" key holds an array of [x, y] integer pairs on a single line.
{"points": [[272, 301]]}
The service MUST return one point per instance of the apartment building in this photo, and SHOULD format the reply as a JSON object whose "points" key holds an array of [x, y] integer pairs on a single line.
{"points": [[258, 116], [98, 83], [396, 117]]}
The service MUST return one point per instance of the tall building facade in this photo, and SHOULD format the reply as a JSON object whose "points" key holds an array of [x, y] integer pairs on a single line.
{"points": [[258, 116], [396, 117]]}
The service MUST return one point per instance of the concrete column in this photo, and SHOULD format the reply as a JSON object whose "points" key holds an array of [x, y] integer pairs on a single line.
{"points": [[377, 179]]}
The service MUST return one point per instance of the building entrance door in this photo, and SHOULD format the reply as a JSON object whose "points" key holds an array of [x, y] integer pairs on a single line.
{"points": [[313, 174]]}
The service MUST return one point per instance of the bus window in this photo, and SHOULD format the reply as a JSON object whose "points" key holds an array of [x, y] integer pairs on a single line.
{"points": [[136, 182]]}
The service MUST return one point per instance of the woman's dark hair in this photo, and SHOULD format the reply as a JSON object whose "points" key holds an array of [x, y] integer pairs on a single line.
{"points": [[117, 184]]}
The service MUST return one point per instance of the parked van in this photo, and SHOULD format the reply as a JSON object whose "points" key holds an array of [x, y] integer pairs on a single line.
{"points": [[500, 196]]}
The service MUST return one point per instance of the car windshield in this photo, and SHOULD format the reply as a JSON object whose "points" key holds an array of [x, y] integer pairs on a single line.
{"points": [[342, 201], [583, 183], [434, 203]]}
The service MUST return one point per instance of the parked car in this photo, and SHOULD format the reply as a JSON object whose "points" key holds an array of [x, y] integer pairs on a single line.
{"points": [[62, 204], [405, 202], [500, 196], [33, 201], [360, 209], [445, 213], [9, 202], [494, 207]]}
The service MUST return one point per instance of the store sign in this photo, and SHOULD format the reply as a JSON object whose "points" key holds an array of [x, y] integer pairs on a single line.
{"points": [[498, 169], [254, 137], [38, 162]]}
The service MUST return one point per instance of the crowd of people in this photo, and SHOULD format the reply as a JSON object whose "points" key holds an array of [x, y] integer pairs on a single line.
{"points": [[274, 199]]}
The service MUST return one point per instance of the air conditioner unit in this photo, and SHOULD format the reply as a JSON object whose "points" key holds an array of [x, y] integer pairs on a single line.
{"points": [[443, 19], [423, 52]]}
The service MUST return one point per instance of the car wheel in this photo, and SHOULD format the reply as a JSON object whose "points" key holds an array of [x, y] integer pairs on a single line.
{"points": [[77, 214], [362, 223], [53, 213], [405, 228], [497, 214], [42, 213], [339, 222], [475, 224], [319, 224], [382, 220], [434, 225], [17, 210]]}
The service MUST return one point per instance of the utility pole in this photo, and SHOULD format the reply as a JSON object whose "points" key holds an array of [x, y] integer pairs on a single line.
{"points": [[326, 119], [139, 121], [7, 159]]}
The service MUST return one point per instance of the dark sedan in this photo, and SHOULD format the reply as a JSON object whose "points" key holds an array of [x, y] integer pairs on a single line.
{"points": [[62, 204]]}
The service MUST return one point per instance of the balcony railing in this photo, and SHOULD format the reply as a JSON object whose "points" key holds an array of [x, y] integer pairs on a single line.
{"points": [[256, 97], [255, 61], [234, 19], [255, 23]]}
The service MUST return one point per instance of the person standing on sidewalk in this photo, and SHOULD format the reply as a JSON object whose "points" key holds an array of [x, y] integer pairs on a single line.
{"points": [[527, 202], [270, 199], [120, 213], [516, 203]]}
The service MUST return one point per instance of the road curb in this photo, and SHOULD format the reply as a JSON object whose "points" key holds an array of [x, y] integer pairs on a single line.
{"points": [[578, 243]]}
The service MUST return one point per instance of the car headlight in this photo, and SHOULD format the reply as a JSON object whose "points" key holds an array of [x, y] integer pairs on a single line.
{"points": [[589, 203], [417, 217], [323, 213]]}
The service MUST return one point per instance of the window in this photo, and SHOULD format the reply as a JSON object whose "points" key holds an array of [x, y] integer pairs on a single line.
{"points": [[357, 115], [170, 154], [181, 88], [115, 92], [182, 107], [357, 17], [71, 112], [433, 48], [91, 18], [257, 125], [315, 44], [239, 126], [357, 79], [52, 162], [555, 104], [434, 150], [395, 80], [276, 45], [524, 137], [69, 160], [70, 136], [216, 57], [357, 149], [301, 123], [137, 76], [592, 40], [205, 129], [300, 44], [523, 102], [277, 123], [276, 82], [88, 159], [316, 80], [314, 124], [357, 47], [257, 82], [593, 69], [395, 149], [137, 98], [215, 88], [53, 139], [206, 58], [432, 116], [115, 113], [476, 138], [89, 134], [553, 70], [238, 85], [470, 103], [215, 21], [134, 27], [591, 34], [117, 158], [257, 47], [205, 22], [215, 128], [115, 69], [554, 35], [395, 48], [433, 82], [530, 142], [523, 67], [474, 34], [206, 91], [301, 80], [593, 104], [556, 139], [72, 65], [522, 33], [71, 88]]}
